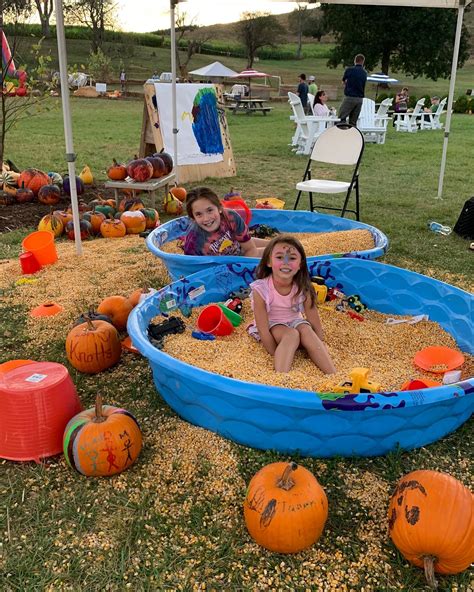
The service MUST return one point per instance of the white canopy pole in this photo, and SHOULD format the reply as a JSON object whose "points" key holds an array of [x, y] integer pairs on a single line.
{"points": [[173, 88], [70, 156], [452, 83]]}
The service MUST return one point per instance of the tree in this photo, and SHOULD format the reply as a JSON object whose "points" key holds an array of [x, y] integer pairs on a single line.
{"points": [[256, 30], [45, 10], [313, 25], [193, 36], [417, 41], [96, 15], [296, 20]]}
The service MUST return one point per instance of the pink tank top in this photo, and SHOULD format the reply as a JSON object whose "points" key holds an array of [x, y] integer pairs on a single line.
{"points": [[280, 309]]}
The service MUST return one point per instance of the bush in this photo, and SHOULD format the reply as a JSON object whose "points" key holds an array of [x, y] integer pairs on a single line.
{"points": [[412, 102], [461, 105], [99, 66]]}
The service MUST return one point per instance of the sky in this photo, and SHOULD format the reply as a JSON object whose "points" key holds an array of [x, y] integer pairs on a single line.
{"points": [[149, 15]]}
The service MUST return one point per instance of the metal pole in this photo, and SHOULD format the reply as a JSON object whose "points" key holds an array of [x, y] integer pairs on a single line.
{"points": [[452, 83], [173, 88], [70, 156]]}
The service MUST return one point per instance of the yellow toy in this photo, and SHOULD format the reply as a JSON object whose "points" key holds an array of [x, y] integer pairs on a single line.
{"points": [[320, 289], [358, 383]]}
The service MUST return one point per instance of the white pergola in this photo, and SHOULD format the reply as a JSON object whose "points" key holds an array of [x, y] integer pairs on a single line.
{"points": [[460, 5]]}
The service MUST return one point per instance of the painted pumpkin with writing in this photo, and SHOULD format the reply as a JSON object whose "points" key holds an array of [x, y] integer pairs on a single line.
{"points": [[112, 228], [135, 222], [93, 346], [140, 170], [102, 441], [431, 522], [117, 308], [285, 509]]}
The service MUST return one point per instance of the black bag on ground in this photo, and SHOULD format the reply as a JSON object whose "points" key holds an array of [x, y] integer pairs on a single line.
{"points": [[465, 223]]}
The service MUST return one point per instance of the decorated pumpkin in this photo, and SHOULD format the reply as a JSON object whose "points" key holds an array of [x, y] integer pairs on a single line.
{"points": [[117, 308], [24, 195], [49, 195], [8, 183], [285, 509], [117, 171], [102, 441], [67, 185], [179, 192], [140, 170], [112, 228], [172, 205], [159, 167], [131, 204], [56, 178], [135, 222], [152, 217], [52, 223], [33, 179], [105, 209], [64, 216], [84, 226], [167, 159], [6, 199], [95, 219], [431, 522], [93, 346], [86, 176]]}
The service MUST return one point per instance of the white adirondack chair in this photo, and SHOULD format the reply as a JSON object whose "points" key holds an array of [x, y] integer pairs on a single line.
{"points": [[310, 103], [308, 127], [373, 125], [431, 121], [408, 122]]}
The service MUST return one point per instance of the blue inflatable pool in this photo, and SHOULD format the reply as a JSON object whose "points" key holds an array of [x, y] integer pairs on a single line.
{"points": [[284, 220], [296, 421]]}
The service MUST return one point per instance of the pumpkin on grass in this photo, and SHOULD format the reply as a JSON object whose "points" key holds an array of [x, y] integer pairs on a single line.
{"points": [[285, 509], [52, 223], [172, 205], [24, 195], [49, 195], [431, 522], [95, 219], [111, 228], [93, 346], [179, 192], [102, 441], [33, 179], [117, 308]]}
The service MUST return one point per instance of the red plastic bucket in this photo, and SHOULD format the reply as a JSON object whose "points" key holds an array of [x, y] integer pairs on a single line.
{"points": [[239, 206], [29, 263], [36, 402], [213, 320]]}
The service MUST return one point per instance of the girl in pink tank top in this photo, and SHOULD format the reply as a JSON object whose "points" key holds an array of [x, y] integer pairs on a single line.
{"points": [[284, 306]]}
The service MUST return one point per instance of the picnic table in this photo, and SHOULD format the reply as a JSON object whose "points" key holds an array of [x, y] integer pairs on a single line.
{"points": [[245, 105], [151, 186]]}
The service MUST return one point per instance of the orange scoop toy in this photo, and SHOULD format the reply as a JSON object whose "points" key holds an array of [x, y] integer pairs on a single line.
{"points": [[438, 359]]}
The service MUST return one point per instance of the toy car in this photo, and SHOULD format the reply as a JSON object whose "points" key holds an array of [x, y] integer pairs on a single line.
{"points": [[157, 332]]}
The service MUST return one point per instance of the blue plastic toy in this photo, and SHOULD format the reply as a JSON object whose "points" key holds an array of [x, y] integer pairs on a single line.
{"points": [[203, 336]]}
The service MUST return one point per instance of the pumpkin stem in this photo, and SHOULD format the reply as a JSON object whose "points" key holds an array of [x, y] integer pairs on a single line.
{"points": [[429, 561], [90, 324], [286, 482], [99, 417]]}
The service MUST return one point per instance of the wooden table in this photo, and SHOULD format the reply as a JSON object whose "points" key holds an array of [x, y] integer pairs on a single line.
{"points": [[250, 106], [151, 186]]}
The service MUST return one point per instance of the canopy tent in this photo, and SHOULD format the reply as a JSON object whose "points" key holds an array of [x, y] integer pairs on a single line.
{"points": [[460, 6], [214, 70]]}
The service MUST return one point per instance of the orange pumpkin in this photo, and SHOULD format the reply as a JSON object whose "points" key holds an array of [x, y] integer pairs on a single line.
{"points": [[152, 217], [179, 192], [137, 294], [33, 179], [52, 223], [131, 204], [117, 171], [172, 205], [64, 216], [117, 308], [112, 228], [135, 222], [102, 441], [285, 509], [96, 219], [431, 522], [93, 346]]}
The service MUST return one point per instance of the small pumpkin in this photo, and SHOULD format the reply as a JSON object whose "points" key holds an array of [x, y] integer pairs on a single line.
{"points": [[117, 171], [56, 178], [52, 223], [33, 179], [117, 308], [131, 204], [24, 195], [159, 167], [49, 195], [135, 222], [93, 346], [102, 441], [112, 228], [179, 192], [167, 159], [6, 199], [96, 219], [67, 185], [431, 522], [152, 217], [140, 170], [172, 205], [63, 215], [105, 209], [86, 176], [8, 183], [285, 509], [93, 316], [85, 229]]}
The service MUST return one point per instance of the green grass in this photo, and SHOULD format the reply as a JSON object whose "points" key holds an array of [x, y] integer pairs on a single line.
{"points": [[67, 532]]}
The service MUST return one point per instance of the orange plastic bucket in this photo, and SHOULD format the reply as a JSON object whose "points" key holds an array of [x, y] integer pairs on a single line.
{"points": [[213, 320], [41, 244]]}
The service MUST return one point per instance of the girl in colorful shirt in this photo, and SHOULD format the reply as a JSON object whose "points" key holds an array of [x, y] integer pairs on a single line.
{"points": [[279, 297], [216, 230]]}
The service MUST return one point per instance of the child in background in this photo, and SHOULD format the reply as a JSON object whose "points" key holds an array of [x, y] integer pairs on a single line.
{"points": [[217, 230], [282, 292]]}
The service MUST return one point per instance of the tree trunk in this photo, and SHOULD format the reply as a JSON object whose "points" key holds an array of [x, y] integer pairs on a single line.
{"points": [[300, 43], [45, 27], [385, 60]]}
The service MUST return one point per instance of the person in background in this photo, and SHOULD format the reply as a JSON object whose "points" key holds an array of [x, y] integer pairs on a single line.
{"points": [[354, 80], [302, 92], [319, 106], [123, 80], [432, 108], [312, 86], [401, 101]]}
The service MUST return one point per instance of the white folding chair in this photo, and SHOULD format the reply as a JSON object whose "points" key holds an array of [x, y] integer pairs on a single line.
{"points": [[341, 145]]}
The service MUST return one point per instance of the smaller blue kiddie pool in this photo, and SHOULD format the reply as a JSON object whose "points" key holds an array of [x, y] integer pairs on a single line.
{"points": [[309, 423], [284, 220]]}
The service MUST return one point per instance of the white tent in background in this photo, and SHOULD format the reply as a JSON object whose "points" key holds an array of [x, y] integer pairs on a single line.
{"points": [[460, 5], [214, 70]]}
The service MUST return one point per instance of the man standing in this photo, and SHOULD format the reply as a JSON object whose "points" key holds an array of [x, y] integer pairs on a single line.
{"points": [[123, 80], [302, 92], [354, 80], [313, 87]]}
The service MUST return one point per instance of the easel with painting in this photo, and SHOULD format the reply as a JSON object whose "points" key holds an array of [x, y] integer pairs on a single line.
{"points": [[152, 140]]}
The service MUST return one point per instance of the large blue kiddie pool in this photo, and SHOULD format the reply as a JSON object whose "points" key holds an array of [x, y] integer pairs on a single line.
{"points": [[284, 220], [297, 421]]}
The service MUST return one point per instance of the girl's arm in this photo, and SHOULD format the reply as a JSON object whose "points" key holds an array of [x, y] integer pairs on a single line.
{"points": [[312, 316], [249, 249], [261, 320]]}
